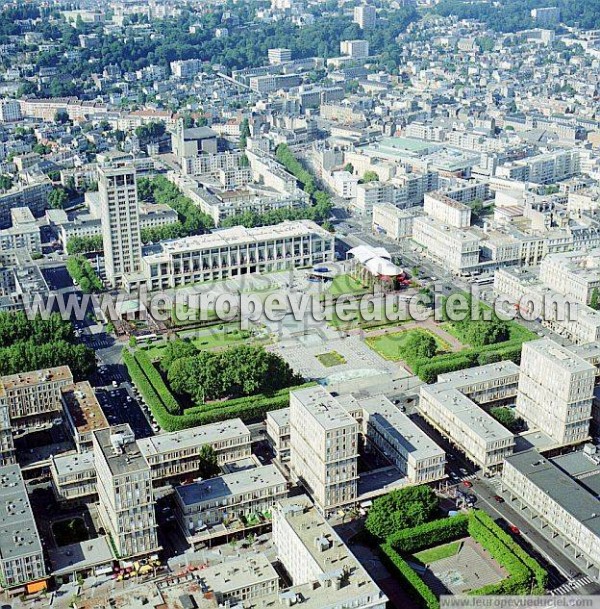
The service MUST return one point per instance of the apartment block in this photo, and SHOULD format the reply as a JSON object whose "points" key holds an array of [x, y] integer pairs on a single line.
{"points": [[74, 477], [242, 581], [324, 447], [10, 110], [22, 565], [34, 398], [447, 210], [175, 455], [573, 274], [236, 495], [556, 390], [472, 430], [32, 193], [278, 56], [237, 251], [120, 222], [278, 430], [456, 249], [125, 494], [83, 414], [22, 236], [356, 49], [564, 508], [365, 16], [323, 570], [274, 82], [394, 222], [413, 452]]}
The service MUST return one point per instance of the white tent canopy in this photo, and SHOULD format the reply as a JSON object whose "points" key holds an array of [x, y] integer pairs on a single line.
{"points": [[377, 260]]}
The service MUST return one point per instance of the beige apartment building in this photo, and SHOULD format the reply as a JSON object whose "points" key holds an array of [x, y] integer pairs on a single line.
{"points": [[447, 407], [83, 414], [34, 398], [125, 494], [565, 508], [556, 391], [447, 210], [174, 456], [21, 553], [324, 448], [324, 572], [236, 495]]}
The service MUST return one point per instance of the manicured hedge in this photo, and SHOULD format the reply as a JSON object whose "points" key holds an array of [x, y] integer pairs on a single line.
{"points": [[430, 534], [408, 578], [246, 408], [539, 573], [526, 575], [157, 382]]}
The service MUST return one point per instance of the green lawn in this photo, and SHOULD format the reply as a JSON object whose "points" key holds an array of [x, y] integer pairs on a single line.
{"points": [[391, 346], [332, 358], [215, 337], [344, 284], [426, 557], [358, 320]]}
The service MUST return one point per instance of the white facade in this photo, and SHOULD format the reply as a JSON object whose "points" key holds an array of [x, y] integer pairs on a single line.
{"points": [[562, 506], [365, 16], [356, 49], [10, 110], [120, 222], [483, 440], [394, 222], [447, 210], [456, 249], [415, 454], [125, 494], [237, 251], [556, 390], [324, 447]]}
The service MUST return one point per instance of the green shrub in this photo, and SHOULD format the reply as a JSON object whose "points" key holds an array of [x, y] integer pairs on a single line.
{"points": [[408, 578], [157, 382], [430, 534]]}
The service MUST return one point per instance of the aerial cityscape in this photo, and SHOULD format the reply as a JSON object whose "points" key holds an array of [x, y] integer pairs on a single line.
{"points": [[299, 304]]}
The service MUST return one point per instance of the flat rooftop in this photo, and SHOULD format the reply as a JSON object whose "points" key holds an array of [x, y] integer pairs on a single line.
{"points": [[73, 464], [396, 424], [228, 485], [331, 555], [120, 450], [37, 377], [559, 487], [496, 371], [250, 570], [194, 437], [466, 411], [322, 407], [18, 532], [83, 407], [559, 356]]}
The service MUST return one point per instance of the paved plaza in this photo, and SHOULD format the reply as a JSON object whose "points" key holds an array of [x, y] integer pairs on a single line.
{"points": [[470, 569], [361, 365]]}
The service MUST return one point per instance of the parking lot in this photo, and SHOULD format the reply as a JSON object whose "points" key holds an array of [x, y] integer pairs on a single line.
{"points": [[120, 407]]}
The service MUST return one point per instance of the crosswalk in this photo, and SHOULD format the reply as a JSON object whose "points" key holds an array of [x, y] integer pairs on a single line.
{"points": [[572, 585]]}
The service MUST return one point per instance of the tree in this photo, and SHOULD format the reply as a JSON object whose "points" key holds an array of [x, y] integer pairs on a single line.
{"points": [[401, 509], [58, 198], [595, 299], [208, 464], [61, 117], [176, 349], [244, 133], [506, 416], [6, 182], [420, 345], [369, 176], [349, 167]]}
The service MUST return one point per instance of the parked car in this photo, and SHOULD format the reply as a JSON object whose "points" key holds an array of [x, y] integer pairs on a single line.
{"points": [[498, 499], [514, 529], [467, 483]]}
